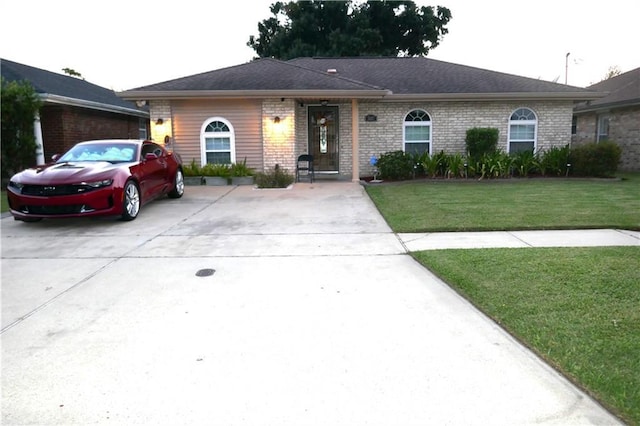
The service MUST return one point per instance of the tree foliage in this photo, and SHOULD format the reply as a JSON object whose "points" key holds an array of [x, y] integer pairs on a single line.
{"points": [[73, 73], [613, 71], [20, 104], [347, 28]]}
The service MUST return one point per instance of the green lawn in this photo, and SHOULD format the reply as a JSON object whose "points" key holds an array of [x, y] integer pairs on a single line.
{"points": [[578, 308], [4, 205], [431, 206]]}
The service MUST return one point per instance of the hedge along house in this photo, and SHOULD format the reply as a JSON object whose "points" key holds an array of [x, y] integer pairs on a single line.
{"points": [[346, 110]]}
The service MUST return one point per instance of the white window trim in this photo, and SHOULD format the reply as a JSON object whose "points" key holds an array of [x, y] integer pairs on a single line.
{"points": [[203, 134], [406, 124], [599, 135], [525, 122]]}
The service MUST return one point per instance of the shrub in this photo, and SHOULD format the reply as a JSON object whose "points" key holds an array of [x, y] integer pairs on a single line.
{"points": [[554, 161], [220, 170], [434, 165], [396, 165], [455, 165], [595, 159], [20, 104], [240, 169], [192, 169], [417, 160], [481, 141], [497, 164], [524, 162], [276, 178]]}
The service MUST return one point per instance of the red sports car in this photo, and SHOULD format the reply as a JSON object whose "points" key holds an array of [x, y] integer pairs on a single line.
{"points": [[97, 178]]}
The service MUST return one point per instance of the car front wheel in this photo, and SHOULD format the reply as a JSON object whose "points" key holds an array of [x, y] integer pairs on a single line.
{"points": [[178, 185], [131, 201]]}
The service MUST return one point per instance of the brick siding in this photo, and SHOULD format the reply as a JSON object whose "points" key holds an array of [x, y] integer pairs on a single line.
{"points": [[64, 126], [624, 129]]}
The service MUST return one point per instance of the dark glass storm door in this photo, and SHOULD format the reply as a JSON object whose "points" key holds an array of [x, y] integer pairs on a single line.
{"points": [[323, 138]]}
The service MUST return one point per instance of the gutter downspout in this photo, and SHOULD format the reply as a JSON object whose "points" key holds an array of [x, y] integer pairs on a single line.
{"points": [[37, 131]]}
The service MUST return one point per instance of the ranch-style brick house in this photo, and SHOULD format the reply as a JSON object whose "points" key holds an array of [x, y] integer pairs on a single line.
{"points": [[346, 110]]}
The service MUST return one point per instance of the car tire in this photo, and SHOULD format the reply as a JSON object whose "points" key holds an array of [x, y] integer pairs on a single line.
{"points": [[130, 201], [178, 185]]}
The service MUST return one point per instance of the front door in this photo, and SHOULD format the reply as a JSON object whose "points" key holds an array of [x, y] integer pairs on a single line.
{"points": [[323, 138]]}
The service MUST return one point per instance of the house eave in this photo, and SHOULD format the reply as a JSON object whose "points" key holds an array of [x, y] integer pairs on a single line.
{"points": [[606, 107], [63, 100], [252, 94], [510, 96]]}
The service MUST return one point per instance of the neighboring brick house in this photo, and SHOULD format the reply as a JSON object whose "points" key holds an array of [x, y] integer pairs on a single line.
{"points": [[74, 110], [615, 117], [346, 110]]}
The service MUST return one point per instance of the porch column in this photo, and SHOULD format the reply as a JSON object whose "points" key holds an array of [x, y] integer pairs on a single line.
{"points": [[37, 131], [355, 143]]}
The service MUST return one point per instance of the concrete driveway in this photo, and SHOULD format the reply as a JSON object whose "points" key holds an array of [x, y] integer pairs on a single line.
{"points": [[314, 314]]}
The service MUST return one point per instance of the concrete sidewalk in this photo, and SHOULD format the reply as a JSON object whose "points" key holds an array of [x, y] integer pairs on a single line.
{"points": [[313, 314], [517, 239]]}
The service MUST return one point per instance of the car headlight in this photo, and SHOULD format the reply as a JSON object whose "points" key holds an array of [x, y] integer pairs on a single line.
{"points": [[16, 185], [99, 183]]}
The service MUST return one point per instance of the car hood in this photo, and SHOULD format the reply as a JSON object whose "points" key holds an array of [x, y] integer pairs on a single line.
{"points": [[68, 173]]}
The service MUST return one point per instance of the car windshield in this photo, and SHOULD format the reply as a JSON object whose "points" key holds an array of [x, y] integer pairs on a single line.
{"points": [[117, 152]]}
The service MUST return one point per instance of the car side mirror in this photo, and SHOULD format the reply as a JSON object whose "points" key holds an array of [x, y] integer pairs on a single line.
{"points": [[150, 156], [55, 157]]}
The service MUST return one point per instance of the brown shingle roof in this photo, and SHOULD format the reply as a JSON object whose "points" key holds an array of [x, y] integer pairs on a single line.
{"points": [[261, 74], [415, 75], [359, 77], [623, 90]]}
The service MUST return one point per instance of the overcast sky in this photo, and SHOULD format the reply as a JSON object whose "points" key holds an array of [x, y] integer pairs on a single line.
{"points": [[127, 44]]}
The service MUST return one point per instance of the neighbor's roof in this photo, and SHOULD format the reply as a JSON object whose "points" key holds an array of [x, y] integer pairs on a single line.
{"points": [[623, 90], [388, 78], [66, 90]]}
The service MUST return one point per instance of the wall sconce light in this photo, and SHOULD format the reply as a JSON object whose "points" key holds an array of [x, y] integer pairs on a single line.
{"points": [[159, 121], [276, 119]]}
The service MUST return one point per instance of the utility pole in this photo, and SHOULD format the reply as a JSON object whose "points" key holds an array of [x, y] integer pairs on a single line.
{"points": [[566, 67]]}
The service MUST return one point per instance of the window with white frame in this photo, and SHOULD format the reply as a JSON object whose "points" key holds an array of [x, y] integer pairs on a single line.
{"points": [[417, 132], [603, 127], [217, 142], [523, 130]]}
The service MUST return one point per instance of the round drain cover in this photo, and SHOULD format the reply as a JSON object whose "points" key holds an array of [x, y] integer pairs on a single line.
{"points": [[205, 272]]}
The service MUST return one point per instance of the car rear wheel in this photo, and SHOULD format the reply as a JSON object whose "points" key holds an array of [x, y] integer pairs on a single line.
{"points": [[131, 201], [178, 185]]}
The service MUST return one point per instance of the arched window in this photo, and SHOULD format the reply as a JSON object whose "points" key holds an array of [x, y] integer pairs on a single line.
{"points": [[217, 142], [523, 131], [417, 132]]}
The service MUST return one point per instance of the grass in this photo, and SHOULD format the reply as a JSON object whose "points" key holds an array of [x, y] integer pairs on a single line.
{"points": [[577, 308], [432, 206], [4, 204]]}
